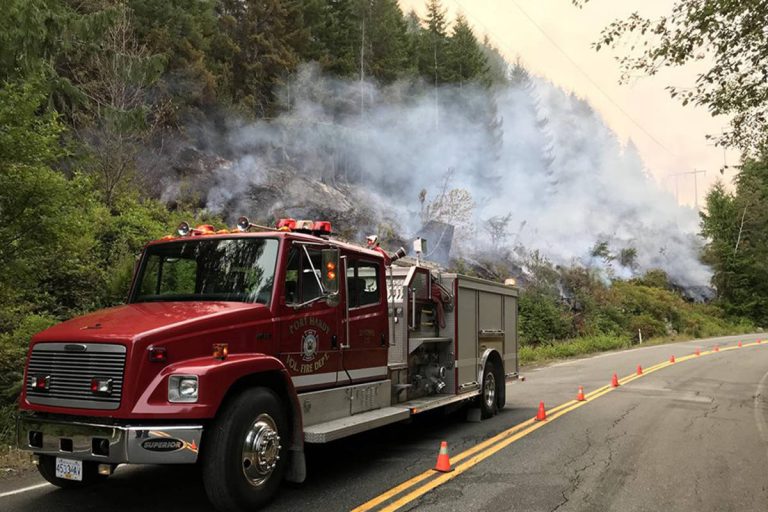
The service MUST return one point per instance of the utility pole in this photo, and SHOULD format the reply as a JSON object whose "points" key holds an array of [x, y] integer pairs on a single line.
{"points": [[362, 71], [695, 173], [437, 97]]}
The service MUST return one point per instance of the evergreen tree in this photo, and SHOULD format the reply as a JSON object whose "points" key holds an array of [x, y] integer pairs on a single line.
{"points": [[433, 58], [182, 32], [264, 34], [466, 60], [386, 41], [498, 67], [736, 227]]}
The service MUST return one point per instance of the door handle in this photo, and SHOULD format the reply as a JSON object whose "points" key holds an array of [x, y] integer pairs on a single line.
{"points": [[334, 341]]}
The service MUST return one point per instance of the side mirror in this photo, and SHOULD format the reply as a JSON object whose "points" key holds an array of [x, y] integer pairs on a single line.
{"points": [[330, 271]]}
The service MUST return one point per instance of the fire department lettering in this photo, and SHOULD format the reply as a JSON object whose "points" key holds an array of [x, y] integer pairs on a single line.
{"points": [[310, 367], [310, 321]]}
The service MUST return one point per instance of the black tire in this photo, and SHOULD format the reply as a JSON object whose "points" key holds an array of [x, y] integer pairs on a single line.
{"points": [[47, 469], [237, 478], [489, 389]]}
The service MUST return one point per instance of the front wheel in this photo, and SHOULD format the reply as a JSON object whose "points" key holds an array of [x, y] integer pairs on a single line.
{"points": [[47, 467], [244, 456]]}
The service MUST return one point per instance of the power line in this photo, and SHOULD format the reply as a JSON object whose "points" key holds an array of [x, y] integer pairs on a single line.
{"points": [[574, 64], [695, 173]]}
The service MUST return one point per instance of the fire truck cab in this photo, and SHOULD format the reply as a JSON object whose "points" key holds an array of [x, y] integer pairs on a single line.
{"points": [[235, 348]]}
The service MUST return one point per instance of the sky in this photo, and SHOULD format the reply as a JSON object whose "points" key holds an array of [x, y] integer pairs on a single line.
{"points": [[553, 39]]}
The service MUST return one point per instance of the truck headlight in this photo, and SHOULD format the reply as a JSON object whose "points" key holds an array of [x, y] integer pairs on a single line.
{"points": [[182, 388]]}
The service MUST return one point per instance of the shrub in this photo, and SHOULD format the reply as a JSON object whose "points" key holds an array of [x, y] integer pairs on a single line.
{"points": [[542, 318]]}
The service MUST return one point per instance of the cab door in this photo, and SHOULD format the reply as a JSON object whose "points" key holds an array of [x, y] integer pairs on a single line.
{"points": [[365, 353], [308, 327]]}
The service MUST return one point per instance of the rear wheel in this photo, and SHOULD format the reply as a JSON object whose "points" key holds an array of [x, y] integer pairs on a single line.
{"points": [[243, 456], [47, 468], [489, 391]]}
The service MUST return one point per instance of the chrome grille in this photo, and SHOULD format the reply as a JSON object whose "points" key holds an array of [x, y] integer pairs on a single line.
{"points": [[70, 367]]}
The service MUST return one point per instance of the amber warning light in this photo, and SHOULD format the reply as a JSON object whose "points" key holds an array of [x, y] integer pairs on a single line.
{"points": [[330, 266], [220, 351]]}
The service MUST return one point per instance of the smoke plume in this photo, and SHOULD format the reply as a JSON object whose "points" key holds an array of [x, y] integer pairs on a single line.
{"points": [[527, 152]]}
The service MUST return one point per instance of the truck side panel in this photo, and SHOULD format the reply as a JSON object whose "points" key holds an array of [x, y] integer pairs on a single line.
{"points": [[466, 357], [510, 353]]}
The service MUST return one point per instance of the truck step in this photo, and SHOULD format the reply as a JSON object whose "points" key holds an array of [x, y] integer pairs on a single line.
{"points": [[343, 427]]}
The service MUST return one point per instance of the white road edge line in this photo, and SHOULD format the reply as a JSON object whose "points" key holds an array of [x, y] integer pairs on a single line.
{"points": [[24, 489], [758, 408]]}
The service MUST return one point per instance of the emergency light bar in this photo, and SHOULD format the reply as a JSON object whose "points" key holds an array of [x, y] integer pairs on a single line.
{"points": [[310, 227]]}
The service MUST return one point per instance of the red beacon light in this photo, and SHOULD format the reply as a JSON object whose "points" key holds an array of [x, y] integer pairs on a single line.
{"points": [[286, 224], [321, 227]]}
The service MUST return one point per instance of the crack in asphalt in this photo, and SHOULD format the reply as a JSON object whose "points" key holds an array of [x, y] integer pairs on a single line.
{"points": [[575, 480]]}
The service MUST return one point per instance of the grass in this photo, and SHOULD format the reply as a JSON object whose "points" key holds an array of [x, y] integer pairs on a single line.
{"points": [[571, 348], [566, 349]]}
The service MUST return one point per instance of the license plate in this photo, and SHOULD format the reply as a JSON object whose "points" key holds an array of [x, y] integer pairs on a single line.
{"points": [[69, 469]]}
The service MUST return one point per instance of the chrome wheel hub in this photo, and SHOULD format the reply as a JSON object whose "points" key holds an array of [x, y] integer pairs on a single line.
{"points": [[489, 390], [261, 450]]}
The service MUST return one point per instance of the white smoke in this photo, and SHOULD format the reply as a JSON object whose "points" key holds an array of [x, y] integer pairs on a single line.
{"points": [[550, 162]]}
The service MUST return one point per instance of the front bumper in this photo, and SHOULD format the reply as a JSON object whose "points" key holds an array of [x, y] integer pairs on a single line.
{"points": [[136, 444]]}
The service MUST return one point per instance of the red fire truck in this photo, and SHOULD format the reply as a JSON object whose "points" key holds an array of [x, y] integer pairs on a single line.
{"points": [[235, 348]]}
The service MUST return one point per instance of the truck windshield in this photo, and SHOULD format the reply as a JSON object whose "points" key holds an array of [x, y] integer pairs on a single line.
{"points": [[240, 270]]}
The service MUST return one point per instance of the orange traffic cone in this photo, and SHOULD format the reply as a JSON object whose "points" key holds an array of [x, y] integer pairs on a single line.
{"points": [[443, 462], [717, 349], [672, 358], [580, 394], [639, 370], [542, 414], [615, 381], [698, 351], [739, 344]]}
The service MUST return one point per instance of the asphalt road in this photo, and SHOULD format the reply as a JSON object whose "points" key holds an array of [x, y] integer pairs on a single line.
{"points": [[689, 436]]}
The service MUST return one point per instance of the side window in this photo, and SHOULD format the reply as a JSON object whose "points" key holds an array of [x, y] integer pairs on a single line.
{"points": [[353, 294], [301, 281], [368, 279], [292, 277], [363, 283], [310, 274]]}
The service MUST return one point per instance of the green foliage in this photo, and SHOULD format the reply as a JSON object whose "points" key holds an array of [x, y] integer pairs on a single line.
{"points": [[736, 227], [542, 318], [40, 208], [466, 60], [183, 33], [264, 36], [730, 35], [13, 350], [563, 306]]}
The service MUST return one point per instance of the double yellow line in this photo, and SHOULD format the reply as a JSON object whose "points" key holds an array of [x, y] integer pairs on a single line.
{"points": [[482, 451]]}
